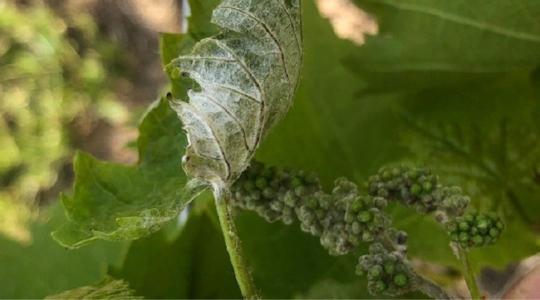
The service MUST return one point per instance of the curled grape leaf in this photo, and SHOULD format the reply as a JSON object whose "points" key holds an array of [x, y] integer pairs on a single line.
{"points": [[245, 79]]}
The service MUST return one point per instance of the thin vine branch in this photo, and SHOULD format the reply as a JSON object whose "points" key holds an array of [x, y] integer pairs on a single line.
{"points": [[468, 273], [234, 245]]}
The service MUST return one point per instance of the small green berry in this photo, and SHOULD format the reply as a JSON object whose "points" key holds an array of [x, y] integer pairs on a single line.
{"points": [[401, 280], [312, 203], [364, 216], [380, 202], [427, 186], [389, 268], [268, 193], [300, 191], [478, 240], [416, 189], [413, 174], [290, 199], [375, 272], [356, 228], [356, 205], [367, 237], [379, 286], [261, 182], [482, 225], [463, 226], [324, 202], [276, 205]]}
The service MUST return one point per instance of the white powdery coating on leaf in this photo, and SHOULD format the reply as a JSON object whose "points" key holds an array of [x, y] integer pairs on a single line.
{"points": [[247, 76]]}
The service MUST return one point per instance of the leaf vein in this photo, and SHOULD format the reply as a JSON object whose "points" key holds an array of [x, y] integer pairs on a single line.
{"points": [[493, 28], [270, 33], [235, 119]]}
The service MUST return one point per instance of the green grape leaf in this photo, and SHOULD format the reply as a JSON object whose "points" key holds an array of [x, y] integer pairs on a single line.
{"points": [[117, 202], [192, 265], [173, 45], [245, 80], [108, 288], [199, 25], [483, 140], [42, 267], [436, 42]]}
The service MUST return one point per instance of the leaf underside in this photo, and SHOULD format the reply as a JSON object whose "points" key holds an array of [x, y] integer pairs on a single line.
{"points": [[246, 77]]}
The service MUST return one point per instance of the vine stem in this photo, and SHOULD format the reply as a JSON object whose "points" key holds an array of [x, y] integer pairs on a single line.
{"points": [[468, 273], [243, 276]]}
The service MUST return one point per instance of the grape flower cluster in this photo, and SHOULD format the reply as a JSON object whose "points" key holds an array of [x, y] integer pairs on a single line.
{"points": [[418, 188], [475, 229], [387, 272], [343, 218]]}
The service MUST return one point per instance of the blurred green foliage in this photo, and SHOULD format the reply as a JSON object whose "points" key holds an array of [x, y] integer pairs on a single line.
{"points": [[52, 70], [43, 267]]}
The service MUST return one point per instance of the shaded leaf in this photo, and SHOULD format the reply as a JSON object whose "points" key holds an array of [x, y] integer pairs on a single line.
{"points": [[173, 45], [193, 265], [43, 267], [436, 42]]}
